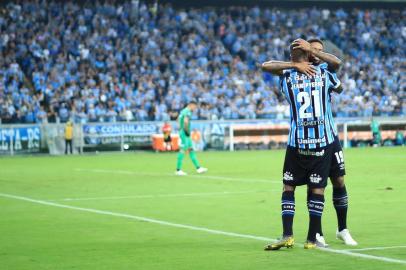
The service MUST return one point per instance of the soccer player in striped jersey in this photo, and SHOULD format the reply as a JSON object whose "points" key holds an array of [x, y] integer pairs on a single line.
{"points": [[340, 198], [328, 61], [309, 153]]}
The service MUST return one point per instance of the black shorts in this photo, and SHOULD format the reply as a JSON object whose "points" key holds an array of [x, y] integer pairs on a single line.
{"points": [[167, 139], [337, 164], [313, 167]]}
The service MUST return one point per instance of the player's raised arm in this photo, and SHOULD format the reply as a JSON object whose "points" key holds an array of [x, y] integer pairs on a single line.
{"points": [[277, 67], [333, 61]]}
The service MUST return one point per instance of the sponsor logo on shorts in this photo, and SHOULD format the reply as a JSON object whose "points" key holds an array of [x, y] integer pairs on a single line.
{"points": [[287, 176], [315, 178], [311, 153]]}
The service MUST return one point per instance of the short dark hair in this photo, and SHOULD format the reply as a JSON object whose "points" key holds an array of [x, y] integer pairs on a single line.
{"points": [[315, 40], [297, 54], [193, 101]]}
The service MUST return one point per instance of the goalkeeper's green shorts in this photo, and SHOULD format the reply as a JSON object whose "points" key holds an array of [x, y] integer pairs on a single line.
{"points": [[185, 142]]}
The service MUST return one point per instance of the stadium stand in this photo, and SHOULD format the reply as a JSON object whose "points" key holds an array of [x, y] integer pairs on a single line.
{"points": [[129, 61]]}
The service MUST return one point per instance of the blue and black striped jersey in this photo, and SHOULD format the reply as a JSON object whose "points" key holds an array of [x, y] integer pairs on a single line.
{"points": [[323, 65], [311, 125]]}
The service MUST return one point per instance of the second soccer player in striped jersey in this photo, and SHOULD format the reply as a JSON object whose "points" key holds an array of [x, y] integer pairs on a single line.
{"points": [[319, 58]]}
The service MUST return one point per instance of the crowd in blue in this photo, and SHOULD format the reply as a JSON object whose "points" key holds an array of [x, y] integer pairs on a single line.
{"points": [[104, 62]]}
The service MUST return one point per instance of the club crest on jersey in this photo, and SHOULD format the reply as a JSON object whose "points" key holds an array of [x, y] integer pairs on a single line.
{"points": [[287, 176], [315, 178]]}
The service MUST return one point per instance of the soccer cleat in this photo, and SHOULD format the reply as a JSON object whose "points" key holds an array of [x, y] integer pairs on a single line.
{"points": [[201, 170], [346, 237], [286, 241], [310, 245], [320, 241], [180, 173]]}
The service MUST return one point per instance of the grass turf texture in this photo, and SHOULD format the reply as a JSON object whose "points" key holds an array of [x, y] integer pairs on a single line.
{"points": [[35, 236]]}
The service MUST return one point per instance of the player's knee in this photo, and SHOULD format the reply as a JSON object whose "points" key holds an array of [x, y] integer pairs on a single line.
{"points": [[338, 181], [288, 188], [319, 191]]}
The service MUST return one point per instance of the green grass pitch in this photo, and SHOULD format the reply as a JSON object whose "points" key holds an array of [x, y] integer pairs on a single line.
{"points": [[128, 211]]}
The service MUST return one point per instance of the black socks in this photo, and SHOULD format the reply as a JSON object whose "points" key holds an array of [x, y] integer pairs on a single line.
{"points": [[288, 212], [340, 201], [309, 193], [315, 207]]}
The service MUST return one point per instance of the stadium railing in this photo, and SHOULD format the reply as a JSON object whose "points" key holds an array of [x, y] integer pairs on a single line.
{"points": [[351, 132], [220, 135]]}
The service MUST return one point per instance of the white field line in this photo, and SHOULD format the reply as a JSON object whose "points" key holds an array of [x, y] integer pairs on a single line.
{"points": [[139, 218], [374, 248], [158, 196], [194, 228], [205, 176]]}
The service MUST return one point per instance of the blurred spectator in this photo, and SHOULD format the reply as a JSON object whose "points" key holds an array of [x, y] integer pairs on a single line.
{"points": [[399, 138], [166, 130], [376, 133], [68, 137]]}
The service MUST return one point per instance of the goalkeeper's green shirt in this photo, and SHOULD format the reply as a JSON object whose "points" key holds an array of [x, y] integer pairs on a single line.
{"points": [[374, 126], [183, 114]]}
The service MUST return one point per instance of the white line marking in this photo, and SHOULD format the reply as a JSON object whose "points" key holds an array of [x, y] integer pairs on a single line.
{"points": [[248, 179], [139, 218], [374, 248], [223, 178], [157, 196], [194, 228], [365, 256]]}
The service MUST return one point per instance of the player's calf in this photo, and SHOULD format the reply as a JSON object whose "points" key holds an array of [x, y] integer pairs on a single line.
{"points": [[315, 207], [320, 241], [340, 201], [288, 213]]}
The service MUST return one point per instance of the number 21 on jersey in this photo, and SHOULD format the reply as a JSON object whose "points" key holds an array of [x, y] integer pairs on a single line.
{"points": [[305, 99]]}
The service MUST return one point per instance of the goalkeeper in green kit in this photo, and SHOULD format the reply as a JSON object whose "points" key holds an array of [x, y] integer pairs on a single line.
{"points": [[185, 140]]}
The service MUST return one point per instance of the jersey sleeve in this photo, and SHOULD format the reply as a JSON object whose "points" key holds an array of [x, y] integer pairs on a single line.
{"points": [[333, 80], [282, 83], [323, 65]]}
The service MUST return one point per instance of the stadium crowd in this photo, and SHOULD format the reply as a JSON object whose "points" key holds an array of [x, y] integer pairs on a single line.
{"points": [[105, 61]]}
